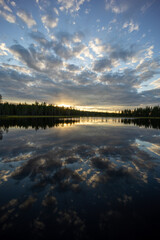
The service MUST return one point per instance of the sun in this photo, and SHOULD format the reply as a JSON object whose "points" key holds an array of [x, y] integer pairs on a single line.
{"points": [[64, 105]]}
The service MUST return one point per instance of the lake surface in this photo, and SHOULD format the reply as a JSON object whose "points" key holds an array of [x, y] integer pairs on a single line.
{"points": [[87, 178]]}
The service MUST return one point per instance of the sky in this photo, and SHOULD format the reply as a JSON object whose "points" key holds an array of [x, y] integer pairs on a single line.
{"points": [[100, 55]]}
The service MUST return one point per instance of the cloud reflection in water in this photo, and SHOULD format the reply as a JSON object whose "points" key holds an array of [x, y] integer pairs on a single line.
{"points": [[81, 182]]}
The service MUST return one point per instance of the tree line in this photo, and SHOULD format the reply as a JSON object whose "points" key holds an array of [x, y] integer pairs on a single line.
{"points": [[44, 109], [142, 112]]}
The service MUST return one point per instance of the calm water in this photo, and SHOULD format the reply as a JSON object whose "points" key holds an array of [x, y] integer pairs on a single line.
{"points": [[88, 178]]}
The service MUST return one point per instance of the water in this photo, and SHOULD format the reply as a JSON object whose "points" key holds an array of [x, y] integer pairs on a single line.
{"points": [[88, 178]]}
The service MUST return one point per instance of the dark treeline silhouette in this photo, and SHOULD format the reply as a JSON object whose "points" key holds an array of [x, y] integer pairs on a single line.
{"points": [[142, 112], [35, 123], [142, 122], [43, 109], [43, 123]]}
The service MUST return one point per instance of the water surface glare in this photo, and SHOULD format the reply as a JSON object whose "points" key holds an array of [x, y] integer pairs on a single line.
{"points": [[81, 178]]}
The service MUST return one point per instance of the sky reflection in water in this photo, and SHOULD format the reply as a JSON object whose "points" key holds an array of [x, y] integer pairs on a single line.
{"points": [[82, 179]]}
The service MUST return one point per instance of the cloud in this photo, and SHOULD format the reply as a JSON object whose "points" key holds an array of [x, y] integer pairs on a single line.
{"points": [[86, 52], [127, 79], [13, 3], [48, 63], [49, 21], [11, 78], [28, 202], [62, 51], [26, 18], [117, 6], [70, 5], [56, 11], [72, 67], [24, 55], [56, 66], [148, 69], [97, 47], [66, 52], [65, 45], [3, 49], [17, 68], [40, 38], [114, 54], [5, 6], [68, 39], [102, 65], [44, 5], [156, 83], [85, 77], [118, 52], [149, 52], [35, 60], [8, 16], [131, 26], [147, 5], [128, 8], [78, 37], [64, 38]]}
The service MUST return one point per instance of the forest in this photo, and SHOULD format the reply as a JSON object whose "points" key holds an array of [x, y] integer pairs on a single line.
{"points": [[142, 112], [44, 109]]}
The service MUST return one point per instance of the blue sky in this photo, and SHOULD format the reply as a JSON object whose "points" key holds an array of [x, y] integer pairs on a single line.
{"points": [[90, 54]]}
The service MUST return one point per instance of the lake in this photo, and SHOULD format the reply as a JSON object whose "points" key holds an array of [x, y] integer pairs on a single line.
{"points": [[80, 178]]}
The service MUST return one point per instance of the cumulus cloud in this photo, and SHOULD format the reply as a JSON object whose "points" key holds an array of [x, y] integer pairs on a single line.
{"points": [[64, 44], [86, 52], [64, 37], [128, 8], [17, 68], [102, 65], [148, 69], [40, 39], [52, 73], [122, 53], [149, 52], [97, 47], [148, 65], [85, 77], [62, 51], [8, 16], [117, 6], [3, 49], [72, 67], [109, 89], [49, 21], [114, 54], [5, 6], [26, 18], [126, 78], [34, 59], [70, 5], [78, 37], [66, 52], [131, 26], [13, 3]]}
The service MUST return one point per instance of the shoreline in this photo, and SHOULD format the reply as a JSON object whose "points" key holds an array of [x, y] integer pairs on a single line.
{"points": [[44, 116]]}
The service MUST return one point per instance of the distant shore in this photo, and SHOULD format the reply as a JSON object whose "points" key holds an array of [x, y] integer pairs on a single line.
{"points": [[44, 116], [36, 116]]}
